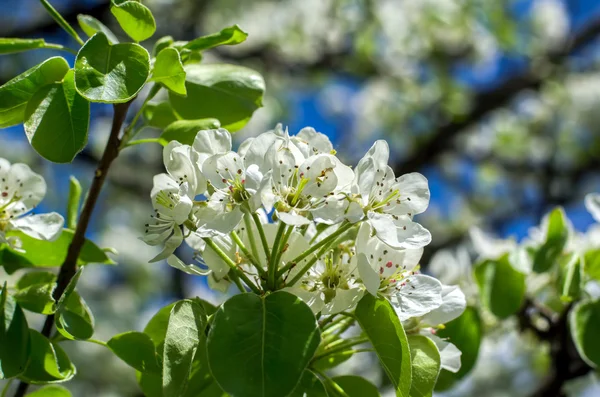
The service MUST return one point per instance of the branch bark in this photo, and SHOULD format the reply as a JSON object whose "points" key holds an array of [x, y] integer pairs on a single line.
{"points": [[69, 266]]}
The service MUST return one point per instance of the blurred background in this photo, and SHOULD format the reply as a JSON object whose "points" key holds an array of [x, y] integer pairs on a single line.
{"points": [[496, 102]]}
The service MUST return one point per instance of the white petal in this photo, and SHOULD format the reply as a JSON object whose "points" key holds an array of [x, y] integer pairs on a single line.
{"points": [[211, 142], [181, 163], [293, 219], [449, 354], [192, 269], [322, 180], [25, 183], [40, 226], [214, 261], [419, 295], [219, 169], [345, 299], [399, 233], [488, 246], [592, 204], [414, 194], [311, 142], [314, 299], [173, 242], [454, 304], [369, 276], [220, 285]]}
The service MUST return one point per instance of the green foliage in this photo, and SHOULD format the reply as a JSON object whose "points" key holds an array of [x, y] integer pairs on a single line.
{"points": [[9, 45], [159, 115], [501, 286], [15, 94], [51, 391], [310, 385], [168, 70], [228, 36], [56, 121], [73, 203], [465, 332], [161, 44], [426, 362], [110, 73], [249, 329], [382, 326], [34, 292], [48, 362], [355, 386], [14, 337], [571, 278], [40, 253], [228, 93], [74, 318], [135, 19], [136, 349], [584, 323], [184, 131], [91, 26], [556, 238], [592, 264]]}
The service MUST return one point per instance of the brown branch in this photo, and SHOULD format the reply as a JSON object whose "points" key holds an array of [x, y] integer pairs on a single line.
{"points": [[487, 101], [69, 266]]}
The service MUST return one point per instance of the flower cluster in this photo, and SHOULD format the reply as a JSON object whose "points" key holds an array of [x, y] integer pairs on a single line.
{"points": [[283, 212], [21, 190]]}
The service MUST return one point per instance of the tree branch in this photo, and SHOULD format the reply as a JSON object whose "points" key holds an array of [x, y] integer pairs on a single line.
{"points": [[69, 266]]}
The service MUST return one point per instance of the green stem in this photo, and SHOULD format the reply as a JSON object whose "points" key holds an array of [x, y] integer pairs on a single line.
{"points": [[59, 47], [160, 141], [253, 262], [340, 347], [130, 132], [273, 265], [236, 281], [323, 243], [98, 342], [231, 264], [330, 384], [263, 237], [61, 21], [248, 224]]}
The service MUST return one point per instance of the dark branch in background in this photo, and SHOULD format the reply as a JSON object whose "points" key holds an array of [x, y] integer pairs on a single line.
{"points": [[69, 266]]}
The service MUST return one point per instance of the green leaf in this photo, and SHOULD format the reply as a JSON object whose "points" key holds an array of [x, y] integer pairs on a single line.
{"points": [[355, 386], [592, 264], [157, 326], [49, 363], [9, 45], [168, 70], [110, 73], [184, 131], [382, 326], [14, 337], [556, 238], [584, 323], [332, 361], [501, 286], [186, 326], [228, 93], [51, 391], [465, 332], [73, 203], [40, 253], [136, 349], [135, 19], [161, 44], [309, 386], [74, 318], [57, 120], [91, 26], [159, 115], [34, 292], [228, 36], [571, 277], [15, 94], [260, 346], [426, 363]]}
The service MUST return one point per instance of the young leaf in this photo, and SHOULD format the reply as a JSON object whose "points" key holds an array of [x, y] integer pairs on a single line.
{"points": [[91, 26], [9, 45], [73, 203], [186, 326], [249, 329], [592, 264], [184, 131], [584, 323], [41, 253], [426, 363], [156, 328], [15, 94], [56, 121], [159, 115], [465, 333], [110, 73], [135, 19], [51, 391], [556, 238], [228, 36], [571, 277], [74, 318], [161, 44], [136, 349], [48, 362], [228, 93], [14, 337], [380, 323], [34, 292], [168, 70], [355, 386], [501, 286], [309, 385]]}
